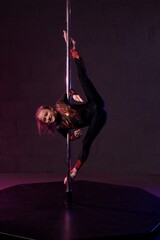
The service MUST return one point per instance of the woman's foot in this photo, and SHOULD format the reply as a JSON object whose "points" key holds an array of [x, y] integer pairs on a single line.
{"points": [[72, 175], [73, 44], [72, 41], [73, 51]]}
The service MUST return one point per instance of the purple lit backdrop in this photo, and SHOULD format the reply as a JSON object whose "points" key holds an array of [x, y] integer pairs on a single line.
{"points": [[120, 42]]}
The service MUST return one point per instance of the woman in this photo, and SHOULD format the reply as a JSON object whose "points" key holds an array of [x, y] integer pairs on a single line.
{"points": [[65, 116]]}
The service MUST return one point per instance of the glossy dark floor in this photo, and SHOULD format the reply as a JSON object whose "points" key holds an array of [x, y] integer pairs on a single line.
{"points": [[98, 211]]}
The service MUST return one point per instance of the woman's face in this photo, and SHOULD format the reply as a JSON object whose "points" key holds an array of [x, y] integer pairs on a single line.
{"points": [[46, 116]]}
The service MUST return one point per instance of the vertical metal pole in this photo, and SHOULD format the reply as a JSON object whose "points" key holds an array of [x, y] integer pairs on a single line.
{"points": [[68, 86]]}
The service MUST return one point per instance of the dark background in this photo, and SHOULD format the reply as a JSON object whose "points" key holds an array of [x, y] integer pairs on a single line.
{"points": [[120, 42]]}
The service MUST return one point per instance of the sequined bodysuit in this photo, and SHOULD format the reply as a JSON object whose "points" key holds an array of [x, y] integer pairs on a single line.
{"points": [[91, 114]]}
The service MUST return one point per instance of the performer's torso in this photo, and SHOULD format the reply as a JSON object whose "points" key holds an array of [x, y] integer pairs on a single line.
{"points": [[72, 116]]}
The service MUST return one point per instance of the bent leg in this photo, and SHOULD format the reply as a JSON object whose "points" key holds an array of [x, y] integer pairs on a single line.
{"points": [[96, 125]]}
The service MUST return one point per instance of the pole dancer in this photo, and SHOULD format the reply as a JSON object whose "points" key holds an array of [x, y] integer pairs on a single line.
{"points": [[66, 116]]}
